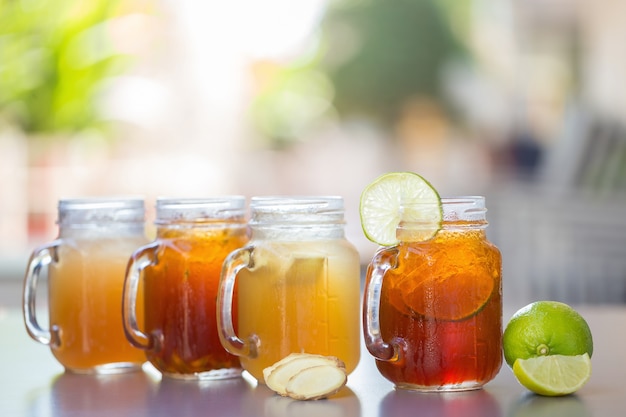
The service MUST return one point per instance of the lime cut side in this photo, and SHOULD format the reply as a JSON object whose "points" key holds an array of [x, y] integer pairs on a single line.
{"points": [[381, 202], [553, 375], [545, 328]]}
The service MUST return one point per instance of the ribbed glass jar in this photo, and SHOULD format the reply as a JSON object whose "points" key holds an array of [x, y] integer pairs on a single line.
{"points": [[298, 282], [86, 265], [433, 308], [179, 273]]}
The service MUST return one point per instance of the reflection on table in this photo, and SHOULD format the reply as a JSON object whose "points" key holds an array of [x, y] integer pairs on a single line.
{"points": [[471, 403], [33, 384], [142, 394]]}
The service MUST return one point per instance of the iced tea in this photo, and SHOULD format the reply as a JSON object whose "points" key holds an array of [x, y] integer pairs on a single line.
{"points": [[85, 268], [180, 274], [85, 293], [441, 309], [298, 285], [180, 290], [300, 298]]}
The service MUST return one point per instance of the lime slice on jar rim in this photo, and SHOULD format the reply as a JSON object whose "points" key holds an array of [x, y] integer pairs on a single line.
{"points": [[397, 197]]}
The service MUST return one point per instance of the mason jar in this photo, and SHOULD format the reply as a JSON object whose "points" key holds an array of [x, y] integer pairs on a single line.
{"points": [[85, 275], [177, 275], [298, 285], [432, 310]]}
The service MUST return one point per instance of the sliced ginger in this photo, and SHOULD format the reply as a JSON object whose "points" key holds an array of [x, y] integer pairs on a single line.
{"points": [[316, 382], [305, 376]]}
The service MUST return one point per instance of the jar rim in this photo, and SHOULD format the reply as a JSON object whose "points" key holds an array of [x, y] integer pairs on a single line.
{"points": [[296, 210], [199, 209], [476, 200], [467, 208], [464, 199], [94, 211], [104, 202], [303, 203]]}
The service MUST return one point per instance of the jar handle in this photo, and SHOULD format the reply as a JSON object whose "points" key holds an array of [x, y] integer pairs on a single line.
{"points": [[140, 260], [235, 262], [41, 257], [384, 260]]}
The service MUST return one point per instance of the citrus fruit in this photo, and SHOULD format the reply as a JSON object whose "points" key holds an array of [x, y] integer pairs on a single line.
{"points": [[458, 296], [546, 328], [553, 375], [382, 200]]}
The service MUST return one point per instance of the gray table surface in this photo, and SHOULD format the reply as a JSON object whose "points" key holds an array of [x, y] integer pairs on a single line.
{"points": [[33, 384]]}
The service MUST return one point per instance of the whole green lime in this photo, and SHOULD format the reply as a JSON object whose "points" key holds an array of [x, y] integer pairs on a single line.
{"points": [[546, 328]]}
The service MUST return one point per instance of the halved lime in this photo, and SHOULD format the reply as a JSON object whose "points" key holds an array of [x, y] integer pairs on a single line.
{"points": [[544, 328], [553, 375], [382, 200]]}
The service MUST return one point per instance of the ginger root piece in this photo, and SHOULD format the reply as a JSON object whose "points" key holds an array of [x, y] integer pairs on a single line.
{"points": [[316, 382], [267, 371], [278, 376]]}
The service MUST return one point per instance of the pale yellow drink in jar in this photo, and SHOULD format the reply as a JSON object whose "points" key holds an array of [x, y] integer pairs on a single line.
{"points": [[300, 297], [85, 295]]}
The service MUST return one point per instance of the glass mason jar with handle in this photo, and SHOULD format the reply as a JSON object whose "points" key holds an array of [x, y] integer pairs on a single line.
{"points": [[298, 285], [432, 311], [177, 275], [85, 277]]}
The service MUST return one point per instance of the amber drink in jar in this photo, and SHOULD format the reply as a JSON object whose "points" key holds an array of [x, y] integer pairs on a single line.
{"points": [[433, 309], [85, 277], [179, 274], [298, 285]]}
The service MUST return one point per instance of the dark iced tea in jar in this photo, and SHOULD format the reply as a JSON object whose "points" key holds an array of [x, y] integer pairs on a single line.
{"points": [[441, 304]]}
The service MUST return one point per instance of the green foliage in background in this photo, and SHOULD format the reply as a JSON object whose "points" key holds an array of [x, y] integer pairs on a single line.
{"points": [[382, 53], [374, 56], [297, 98], [54, 56]]}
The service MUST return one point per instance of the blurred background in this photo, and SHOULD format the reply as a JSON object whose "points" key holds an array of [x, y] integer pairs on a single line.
{"points": [[521, 101]]}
